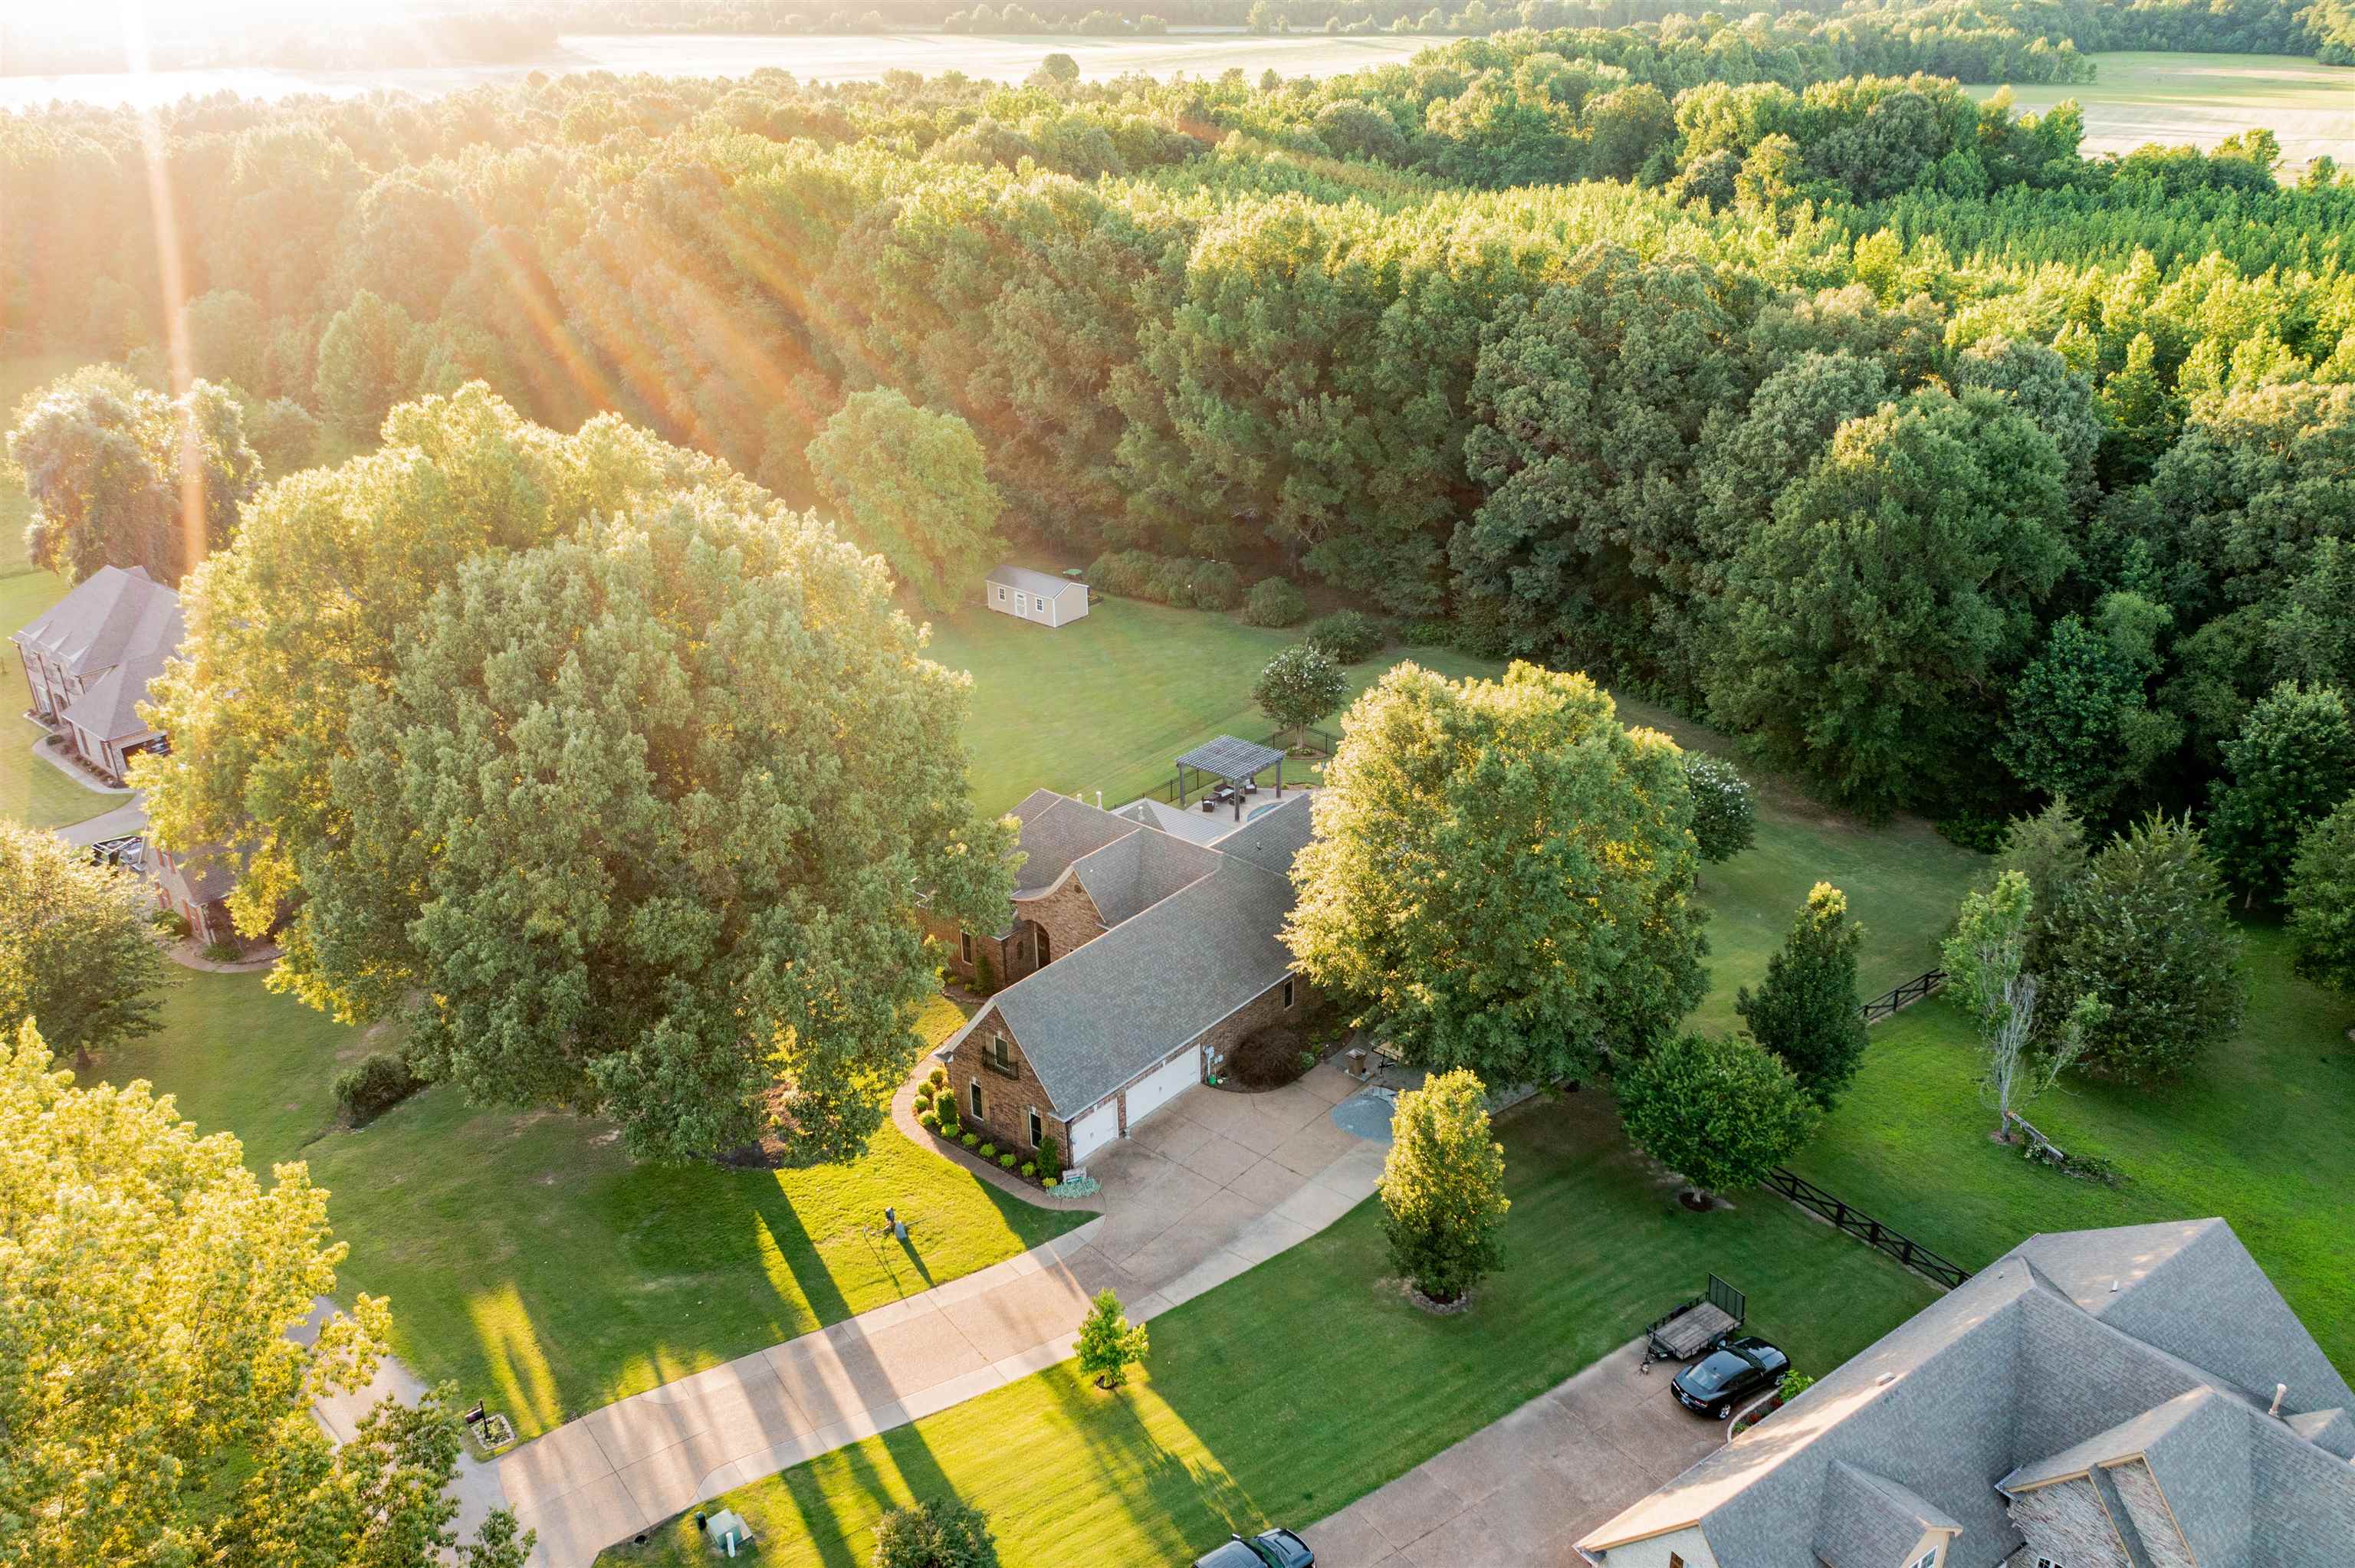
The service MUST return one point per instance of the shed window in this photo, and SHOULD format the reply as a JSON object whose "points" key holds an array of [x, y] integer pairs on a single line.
{"points": [[1001, 596], [972, 1092]]}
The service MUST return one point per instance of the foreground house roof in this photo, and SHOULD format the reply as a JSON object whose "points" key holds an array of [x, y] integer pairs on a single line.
{"points": [[1194, 934], [2071, 1356], [111, 616]]}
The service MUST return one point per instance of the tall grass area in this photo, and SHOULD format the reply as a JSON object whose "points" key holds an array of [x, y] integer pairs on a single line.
{"points": [[526, 1256], [2258, 1134]]}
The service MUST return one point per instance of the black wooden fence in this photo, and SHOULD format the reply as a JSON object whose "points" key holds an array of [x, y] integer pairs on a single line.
{"points": [[1891, 1003], [1865, 1228]]}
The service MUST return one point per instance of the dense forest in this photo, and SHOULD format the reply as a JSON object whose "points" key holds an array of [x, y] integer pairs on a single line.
{"points": [[1738, 363]]}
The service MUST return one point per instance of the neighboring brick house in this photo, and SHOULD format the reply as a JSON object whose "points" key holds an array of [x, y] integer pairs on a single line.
{"points": [[89, 657], [2132, 1398], [1138, 959]]}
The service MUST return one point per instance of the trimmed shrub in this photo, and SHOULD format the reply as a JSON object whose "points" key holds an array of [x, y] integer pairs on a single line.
{"points": [[970, 1139], [989, 1152], [1050, 1159], [1128, 572], [224, 952], [1216, 586], [1050, 1183], [373, 1087], [939, 1533], [1274, 601], [1349, 635], [952, 1130], [1005, 1163], [1030, 1167], [940, 1078], [928, 1120]]}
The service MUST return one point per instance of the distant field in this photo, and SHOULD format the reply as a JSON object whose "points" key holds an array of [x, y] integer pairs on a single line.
{"points": [[817, 59], [2201, 99]]}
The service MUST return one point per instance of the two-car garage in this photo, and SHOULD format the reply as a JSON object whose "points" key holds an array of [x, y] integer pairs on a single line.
{"points": [[1096, 1127]]}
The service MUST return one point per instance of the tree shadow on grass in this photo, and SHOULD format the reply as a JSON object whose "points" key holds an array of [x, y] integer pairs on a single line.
{"points": [[1187, 1505], [823, 1491]]}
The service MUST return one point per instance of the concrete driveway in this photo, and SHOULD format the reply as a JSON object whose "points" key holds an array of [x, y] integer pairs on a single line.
{"points": [[1518, 1493]]}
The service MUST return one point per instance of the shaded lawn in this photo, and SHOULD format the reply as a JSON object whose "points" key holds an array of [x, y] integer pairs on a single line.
{"points": [[1104, 704], [2259, 1134], [1307, 1381], [527, 1258]]}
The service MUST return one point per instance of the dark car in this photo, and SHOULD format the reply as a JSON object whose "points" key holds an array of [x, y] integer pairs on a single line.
{"points": [[1268, 1549], [1731, 1374]]}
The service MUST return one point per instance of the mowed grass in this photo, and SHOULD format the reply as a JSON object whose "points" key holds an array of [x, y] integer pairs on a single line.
{"points": [[2259, 1134], [527, 1258], [1307, 1381], [2138, 97], [1106, 703], [31, 790]]}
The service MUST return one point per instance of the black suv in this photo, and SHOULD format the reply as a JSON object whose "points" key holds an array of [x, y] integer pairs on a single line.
{"points": [[1269, 1548], [1723, 1379]]}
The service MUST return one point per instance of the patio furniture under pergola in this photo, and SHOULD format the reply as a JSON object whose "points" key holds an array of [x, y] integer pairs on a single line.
{"points": [[1235, 763]]}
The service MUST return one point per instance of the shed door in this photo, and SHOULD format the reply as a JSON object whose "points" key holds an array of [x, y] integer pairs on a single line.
{"points": [[1163, 1084], [1092, 1131]]}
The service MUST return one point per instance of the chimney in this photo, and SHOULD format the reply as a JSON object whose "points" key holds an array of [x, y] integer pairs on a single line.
{"points": [[2280, 1390]]}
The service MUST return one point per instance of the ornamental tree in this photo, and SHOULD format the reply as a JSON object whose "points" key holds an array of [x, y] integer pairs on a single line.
{"points": [[77, 953], [157, 1369], [776, 776], [1987, 973], [2292, 761], [1724, 807], [2144, 933], [1806, 1011], [1719, 1110], [1501, 878], [120, 475], [1108, 1344], [938, 1533], [1299, 686], [2321, 898], [914, 485], [1442, 1187]]}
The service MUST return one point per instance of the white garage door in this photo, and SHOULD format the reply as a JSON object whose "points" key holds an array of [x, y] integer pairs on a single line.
{"points": [[1092, 1131], [1163, 1084]]}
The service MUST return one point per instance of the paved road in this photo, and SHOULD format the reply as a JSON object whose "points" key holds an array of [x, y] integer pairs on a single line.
{"points": [[1518, 1493]]}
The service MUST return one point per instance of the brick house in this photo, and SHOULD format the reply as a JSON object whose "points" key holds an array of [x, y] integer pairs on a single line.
{"points": [[2140, 1397], [89, 657], [1137, 959]]}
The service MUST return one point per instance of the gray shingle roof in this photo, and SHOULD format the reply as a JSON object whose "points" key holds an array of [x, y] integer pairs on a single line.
{"points": [[1096, 1018], [1058, 831], [2034, 1367], [111, 616], [1271, 839], [109, 707], [1023, 577], [1870, 1522], [1138, 870], [1232, 758]]}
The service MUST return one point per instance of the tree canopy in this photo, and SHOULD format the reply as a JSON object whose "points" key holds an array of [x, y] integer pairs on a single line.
{"points": [[1502, 876], [914, 484], [77, 954], [1719, 1110], [1806, 1011]]}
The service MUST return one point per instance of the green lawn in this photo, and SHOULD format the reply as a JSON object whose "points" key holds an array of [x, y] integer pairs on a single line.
{"points": [[1308, 1381], [1104, 704], [31, 790], [2172, 98], [527, 1258], [2259, 1135]]}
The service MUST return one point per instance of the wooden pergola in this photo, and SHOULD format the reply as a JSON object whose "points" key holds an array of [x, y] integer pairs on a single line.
{"points": [[1231, 761]]}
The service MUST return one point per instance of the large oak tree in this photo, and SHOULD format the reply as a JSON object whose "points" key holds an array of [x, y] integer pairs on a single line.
{"points": [[1502, 876]]}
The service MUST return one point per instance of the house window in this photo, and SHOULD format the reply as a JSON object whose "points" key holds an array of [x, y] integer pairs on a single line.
{"points": [[1000, 1058], [1037, 1129], [964, 940], [974, 1094], [1927, 1559], [1287, 992]]}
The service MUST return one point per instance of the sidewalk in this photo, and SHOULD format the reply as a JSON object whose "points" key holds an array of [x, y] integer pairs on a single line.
{"points": [[1187, 1211]]}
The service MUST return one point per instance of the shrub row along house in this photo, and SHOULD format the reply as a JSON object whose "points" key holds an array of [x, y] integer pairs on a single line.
{"points": [[1138, 958], [2132, 1398], [88, 662]]}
